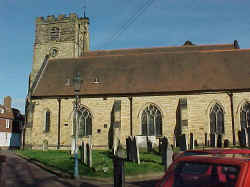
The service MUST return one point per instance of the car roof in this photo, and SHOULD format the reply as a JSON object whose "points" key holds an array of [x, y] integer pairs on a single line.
{"points": [[218, 158], [222, 150]]}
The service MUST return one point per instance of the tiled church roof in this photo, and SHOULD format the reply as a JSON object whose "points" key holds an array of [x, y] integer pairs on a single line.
{"points": [[149, 71]]}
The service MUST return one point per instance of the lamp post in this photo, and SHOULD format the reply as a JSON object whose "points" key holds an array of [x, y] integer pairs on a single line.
{"points": [[77, 86]]}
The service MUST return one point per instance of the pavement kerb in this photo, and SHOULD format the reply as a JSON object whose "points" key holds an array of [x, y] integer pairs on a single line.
{"points": [[140, 177]]}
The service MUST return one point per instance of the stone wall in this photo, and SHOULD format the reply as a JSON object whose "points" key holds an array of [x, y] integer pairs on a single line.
{"points": [[198, 106]]}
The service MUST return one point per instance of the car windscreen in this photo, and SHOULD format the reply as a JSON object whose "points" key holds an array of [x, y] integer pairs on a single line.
{"points": [[190, 153], [204, 175]]}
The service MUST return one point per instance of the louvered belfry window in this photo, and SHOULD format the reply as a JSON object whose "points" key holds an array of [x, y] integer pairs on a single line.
{"points": [[85, 123], [151, 121], [54, 33], [217, 120], [47, 121], [245, 116]]}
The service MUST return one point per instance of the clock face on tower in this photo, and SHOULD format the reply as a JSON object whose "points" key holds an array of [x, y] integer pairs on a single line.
{"points": [[53, 52]]}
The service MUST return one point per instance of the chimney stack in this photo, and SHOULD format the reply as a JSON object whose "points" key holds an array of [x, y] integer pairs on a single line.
{"points": [[7, 102]]}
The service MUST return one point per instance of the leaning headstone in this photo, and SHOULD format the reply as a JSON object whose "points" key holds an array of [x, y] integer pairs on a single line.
{"points": [[219, 140], [89, 155], [45, 145], [119, 172], [226, 143], [206, 144], [191, 141]]}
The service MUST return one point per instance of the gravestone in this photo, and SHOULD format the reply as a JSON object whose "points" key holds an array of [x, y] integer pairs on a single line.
{"points": [[212, 140], [164, 146], [136, 151], [206, 143], [169, 156], [83, 153], [195, 143], [219, 140], [160, 145], [132, 149], [128, 148], [45, 145], [119, 172], [167, 153], [182, 142], [89, 155], [240, 138], [226, 143], [142, 141], [248, 135], [149, 146], [191, 141], [243, 136]]}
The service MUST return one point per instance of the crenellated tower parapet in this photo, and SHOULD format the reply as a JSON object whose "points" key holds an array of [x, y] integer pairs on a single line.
{"points": [[61, 36]]}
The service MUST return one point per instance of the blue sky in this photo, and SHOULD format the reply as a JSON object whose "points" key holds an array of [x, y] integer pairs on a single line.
{"points": [[164, 23]]}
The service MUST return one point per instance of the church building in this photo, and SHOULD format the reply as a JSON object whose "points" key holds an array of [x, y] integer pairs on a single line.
{"points": [[156, 92]]}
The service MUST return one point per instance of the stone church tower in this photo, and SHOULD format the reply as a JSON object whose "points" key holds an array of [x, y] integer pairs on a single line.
{"points": [[59, 37]]}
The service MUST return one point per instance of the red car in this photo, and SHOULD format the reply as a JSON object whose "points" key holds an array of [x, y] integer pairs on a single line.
{"points": [[211, 151], [211, 170]]}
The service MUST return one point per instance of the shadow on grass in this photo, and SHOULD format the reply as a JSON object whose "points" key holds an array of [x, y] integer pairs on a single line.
{"points": [[109, 154]]}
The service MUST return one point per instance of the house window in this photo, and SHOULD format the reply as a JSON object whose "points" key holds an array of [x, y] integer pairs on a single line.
{"points": [[151, 121], [85, 123], [54, 33], [7, 123], [1, 110], [217, 120], [47, 121], [245, 116]]}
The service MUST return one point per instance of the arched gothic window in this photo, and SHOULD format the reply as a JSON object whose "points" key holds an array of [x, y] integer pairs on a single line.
{"points": [[151, 121], [245, 116], [217, 120], [85, 123], [47, 121]]}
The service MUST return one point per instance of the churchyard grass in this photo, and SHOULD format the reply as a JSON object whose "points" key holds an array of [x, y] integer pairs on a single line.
{"points": [[102, 163]]}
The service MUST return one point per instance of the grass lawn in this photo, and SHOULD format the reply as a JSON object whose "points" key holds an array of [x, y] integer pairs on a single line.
{"points": [[63, 161]]}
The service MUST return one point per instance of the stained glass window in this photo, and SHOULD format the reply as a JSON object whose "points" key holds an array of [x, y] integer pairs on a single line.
{"points": [[47, 121], [151, 121], [217, 120], [245, 116], [85, 123]]}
